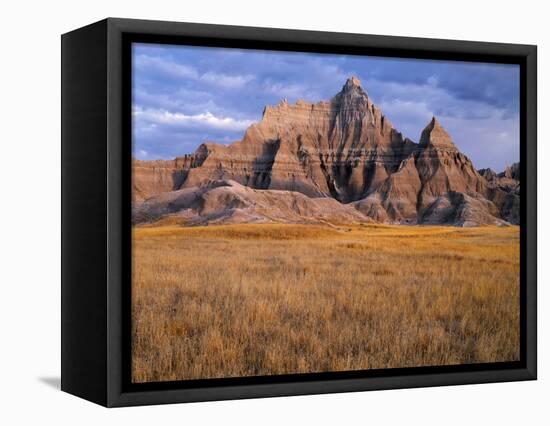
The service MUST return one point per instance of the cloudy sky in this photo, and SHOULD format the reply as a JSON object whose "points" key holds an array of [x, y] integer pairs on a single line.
{"points": [[184, 96]]}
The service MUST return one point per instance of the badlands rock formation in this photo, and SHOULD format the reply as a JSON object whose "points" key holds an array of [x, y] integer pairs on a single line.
{"points": [[504, 191], [337, 161], [230, 202]]}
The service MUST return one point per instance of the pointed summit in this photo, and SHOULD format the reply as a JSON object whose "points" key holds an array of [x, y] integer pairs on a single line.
{"points": [[352, 83], [436, 136]]}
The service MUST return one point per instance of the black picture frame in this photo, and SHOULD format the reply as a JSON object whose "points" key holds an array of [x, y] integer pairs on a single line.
{"points": [[96, 226]]}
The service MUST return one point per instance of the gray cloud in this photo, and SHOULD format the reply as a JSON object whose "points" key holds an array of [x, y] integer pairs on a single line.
{"points": [[184, 96]]}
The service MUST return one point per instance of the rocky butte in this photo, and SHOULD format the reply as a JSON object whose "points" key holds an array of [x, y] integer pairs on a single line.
{"points": [[336, 161]]}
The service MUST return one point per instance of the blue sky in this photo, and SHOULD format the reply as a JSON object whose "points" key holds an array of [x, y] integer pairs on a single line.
{"points": [[184, 96]]}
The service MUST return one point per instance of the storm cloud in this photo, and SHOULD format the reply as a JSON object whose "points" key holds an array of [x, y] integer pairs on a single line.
{"points": [[184, 96]]}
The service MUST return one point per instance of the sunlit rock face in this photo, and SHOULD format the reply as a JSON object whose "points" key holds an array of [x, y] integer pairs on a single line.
{"points": [[347, 150]]}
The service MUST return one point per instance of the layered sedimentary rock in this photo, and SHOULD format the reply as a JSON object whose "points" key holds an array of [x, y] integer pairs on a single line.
{"points": [[508, 180], [436, 184], [344, 150], [150, 178], [340, 149], [504, 191], [226, 201]]}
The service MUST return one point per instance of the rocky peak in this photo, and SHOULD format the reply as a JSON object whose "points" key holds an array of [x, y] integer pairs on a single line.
{"points": [[346, 149], [434, 135], [511, 172], [353, 86], [488, 173], [352, 82]]}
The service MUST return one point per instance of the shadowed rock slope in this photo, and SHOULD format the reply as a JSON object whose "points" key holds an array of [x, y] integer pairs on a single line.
{"points": [[342, 154]]}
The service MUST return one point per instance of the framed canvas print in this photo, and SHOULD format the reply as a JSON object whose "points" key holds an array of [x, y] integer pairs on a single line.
{"points": [[252, 212]]}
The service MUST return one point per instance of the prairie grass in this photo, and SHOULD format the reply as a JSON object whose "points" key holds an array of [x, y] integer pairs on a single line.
{"points": [[245, 300]]}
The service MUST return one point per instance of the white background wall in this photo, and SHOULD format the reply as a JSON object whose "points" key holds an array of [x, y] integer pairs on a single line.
{"points": [[30, 211]]}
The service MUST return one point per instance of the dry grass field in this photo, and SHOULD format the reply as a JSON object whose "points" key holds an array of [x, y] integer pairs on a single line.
{"points": [[243, 300]]}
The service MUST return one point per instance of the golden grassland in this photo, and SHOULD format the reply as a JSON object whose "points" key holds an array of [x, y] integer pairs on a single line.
{"points": [[243, 300]]}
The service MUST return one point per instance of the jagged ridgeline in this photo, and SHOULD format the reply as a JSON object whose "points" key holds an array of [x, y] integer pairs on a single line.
{"points": [[339, 161]]}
